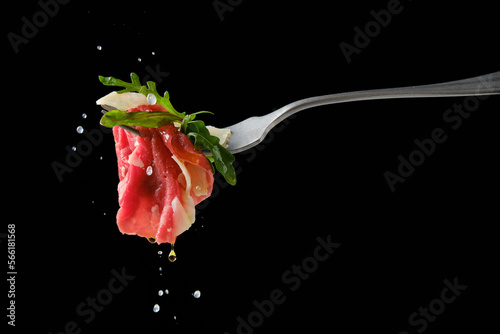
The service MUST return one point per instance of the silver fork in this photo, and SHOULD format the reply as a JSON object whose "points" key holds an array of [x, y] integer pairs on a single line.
{"points": [[253, 130]]}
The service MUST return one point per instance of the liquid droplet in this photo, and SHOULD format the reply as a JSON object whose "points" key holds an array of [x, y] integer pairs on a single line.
{"points": [[197, 294], [99, 47], [172, 256], [153, 53], [160, 293], [160, 253], [74, 148], [166, 291], [151, 98], [139, 59], [149, 171], [160, 269], [156, 308], [84, 115], [151, 240], [79, 129]]}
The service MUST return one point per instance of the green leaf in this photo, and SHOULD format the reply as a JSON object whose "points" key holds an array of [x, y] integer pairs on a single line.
{"points": [[162, 100], [189, 118], [148, 119], [133, 86], [222, 158]]}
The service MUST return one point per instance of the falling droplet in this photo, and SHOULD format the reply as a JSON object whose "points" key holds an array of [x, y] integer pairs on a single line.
{"points": [[166, 291], [156, 308], [151, 240], [74, 148], [153, 53], [151, 98], [197, 294], [99, 47], [172, 256], [84, 115], [160, 252], [79, 129], [160, 268], [160, 293], [149, 171], [139, 59]]}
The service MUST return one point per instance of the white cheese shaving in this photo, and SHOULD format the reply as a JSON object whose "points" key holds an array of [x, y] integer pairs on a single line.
{"points": [[222, 134], [123, 101]]}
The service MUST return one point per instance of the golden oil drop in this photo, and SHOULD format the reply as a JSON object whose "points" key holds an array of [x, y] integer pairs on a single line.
{"points": [[172, 256]]}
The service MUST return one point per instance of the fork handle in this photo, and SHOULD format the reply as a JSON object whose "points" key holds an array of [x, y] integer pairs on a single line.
{"points": [[487, 84]]}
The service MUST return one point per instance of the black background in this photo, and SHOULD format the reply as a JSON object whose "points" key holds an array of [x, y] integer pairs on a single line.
{"points": [[320, 175]]}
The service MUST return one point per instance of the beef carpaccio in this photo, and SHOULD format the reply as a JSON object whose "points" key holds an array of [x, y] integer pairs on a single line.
{"points": [[162, 177]]}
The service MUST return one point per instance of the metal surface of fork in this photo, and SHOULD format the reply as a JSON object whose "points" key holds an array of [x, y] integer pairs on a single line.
{"points": [[253, 130]]}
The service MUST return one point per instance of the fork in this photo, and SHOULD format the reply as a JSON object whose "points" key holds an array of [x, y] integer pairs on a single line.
{"points": [[253, 130]]}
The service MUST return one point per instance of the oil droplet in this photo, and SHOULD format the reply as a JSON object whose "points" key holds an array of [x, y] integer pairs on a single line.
{"points": [[99, 47], [151, 240], [172, 256], [197, 294], [156, 308], [79, 129], [160, 293], [151, 98]]}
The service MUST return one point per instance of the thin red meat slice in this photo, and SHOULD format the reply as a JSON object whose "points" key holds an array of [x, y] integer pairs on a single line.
{"points": [[162, 177], [197, 165]]}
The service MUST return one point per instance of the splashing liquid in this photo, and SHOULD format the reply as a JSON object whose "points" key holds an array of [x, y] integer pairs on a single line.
{"points": [[172, 256], [156, 308]]}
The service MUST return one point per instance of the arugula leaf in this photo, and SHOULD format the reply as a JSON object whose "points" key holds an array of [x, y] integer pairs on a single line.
{"points": [[133, 86], [148, 119], [222, 158], [189, 118]]}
